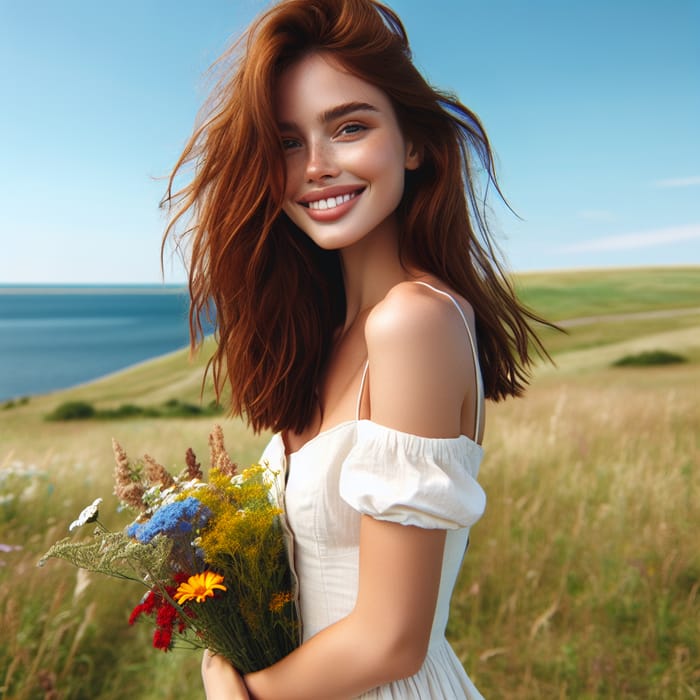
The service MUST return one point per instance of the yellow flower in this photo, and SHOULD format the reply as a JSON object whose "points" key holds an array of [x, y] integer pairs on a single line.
{"points": [[252, 472], [199, 587], [279, 600]]}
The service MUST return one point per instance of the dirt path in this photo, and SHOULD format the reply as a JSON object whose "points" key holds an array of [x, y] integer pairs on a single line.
{"points": [[632, 316]]}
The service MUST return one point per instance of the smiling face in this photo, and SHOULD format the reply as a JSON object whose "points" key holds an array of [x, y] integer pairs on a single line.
{"points": [[345, 153]]}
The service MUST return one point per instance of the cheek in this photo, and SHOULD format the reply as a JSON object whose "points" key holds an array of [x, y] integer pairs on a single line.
{"points": [[385, 164], [292, 175], [380, 163]]}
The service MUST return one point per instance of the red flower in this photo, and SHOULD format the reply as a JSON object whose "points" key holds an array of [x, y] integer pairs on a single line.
{"points": [[166, 615], [145, 607], [162, 638]]}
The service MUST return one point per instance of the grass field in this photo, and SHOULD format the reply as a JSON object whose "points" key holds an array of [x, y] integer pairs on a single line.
{"points": [[582, 579], [577, 293]]}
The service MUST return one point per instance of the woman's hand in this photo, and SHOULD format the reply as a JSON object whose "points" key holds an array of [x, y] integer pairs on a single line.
{"points": [[221, 680]]}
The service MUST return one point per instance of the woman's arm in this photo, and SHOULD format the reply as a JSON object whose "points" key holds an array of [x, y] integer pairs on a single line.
{"points": [[384, 638], [386, 635]]}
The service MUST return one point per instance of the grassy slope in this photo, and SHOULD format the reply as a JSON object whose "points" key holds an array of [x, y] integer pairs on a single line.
{"points": [[571, 294], [581, 580]]}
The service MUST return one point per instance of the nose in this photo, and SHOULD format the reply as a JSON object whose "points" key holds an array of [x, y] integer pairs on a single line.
{"points": [[321, 162]]}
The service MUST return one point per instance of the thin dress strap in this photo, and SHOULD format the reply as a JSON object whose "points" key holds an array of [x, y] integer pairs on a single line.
{"points": [[477, 369], [362, 389]]}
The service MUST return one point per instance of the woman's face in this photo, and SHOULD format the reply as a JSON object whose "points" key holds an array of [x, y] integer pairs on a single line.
{"points": [[345, 153]]}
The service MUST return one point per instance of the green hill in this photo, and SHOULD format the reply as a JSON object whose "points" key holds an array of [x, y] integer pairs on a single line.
{"points": [[579, 293]]}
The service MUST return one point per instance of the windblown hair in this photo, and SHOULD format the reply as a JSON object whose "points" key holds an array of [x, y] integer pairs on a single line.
{"points": [[276, 297]]}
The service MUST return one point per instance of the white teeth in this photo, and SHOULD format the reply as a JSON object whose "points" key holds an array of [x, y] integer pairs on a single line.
{"points": [[332, 202]]}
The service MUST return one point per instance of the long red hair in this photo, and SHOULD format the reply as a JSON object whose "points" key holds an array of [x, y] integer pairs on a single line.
{"points": [[275, 297]]}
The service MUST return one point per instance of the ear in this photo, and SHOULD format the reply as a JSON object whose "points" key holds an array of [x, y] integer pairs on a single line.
{"points": [[414, 156]]}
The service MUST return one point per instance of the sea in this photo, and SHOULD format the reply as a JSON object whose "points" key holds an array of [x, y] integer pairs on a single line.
{"points": [[54, 337]]}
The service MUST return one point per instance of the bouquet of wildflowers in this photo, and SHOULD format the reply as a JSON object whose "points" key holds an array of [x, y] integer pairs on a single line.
{"points": [[211, 554]]}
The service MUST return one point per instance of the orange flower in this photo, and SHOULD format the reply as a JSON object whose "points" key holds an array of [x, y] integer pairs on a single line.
{"points": [[199, 587]]}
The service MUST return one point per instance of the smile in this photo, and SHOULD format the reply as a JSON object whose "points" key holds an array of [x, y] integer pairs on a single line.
{"points": [[330, 202]]}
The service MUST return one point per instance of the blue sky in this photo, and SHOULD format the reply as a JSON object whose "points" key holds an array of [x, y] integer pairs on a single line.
{"points": [[592, 107]]}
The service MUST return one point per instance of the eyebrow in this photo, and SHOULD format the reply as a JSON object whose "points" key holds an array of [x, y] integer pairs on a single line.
{"points": [[336, 113], [345, 109]]}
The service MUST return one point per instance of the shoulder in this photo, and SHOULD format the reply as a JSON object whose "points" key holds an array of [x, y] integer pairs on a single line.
{"points": [[420, 368], [413, 311]]}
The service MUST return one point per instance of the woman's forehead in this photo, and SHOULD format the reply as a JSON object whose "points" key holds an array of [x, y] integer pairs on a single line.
{"points": [[317, 86]]}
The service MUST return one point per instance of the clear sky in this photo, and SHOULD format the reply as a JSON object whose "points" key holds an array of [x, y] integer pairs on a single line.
{"points": [[593, 108]]}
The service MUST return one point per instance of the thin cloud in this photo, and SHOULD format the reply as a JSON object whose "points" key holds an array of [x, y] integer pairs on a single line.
{"points": [[692, 181], [641, 239]]}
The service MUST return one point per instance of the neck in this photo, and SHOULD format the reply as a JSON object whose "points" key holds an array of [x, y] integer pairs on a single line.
{"points": [[371, 268]]}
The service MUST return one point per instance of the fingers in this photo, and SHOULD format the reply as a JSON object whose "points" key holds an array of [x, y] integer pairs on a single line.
{"points": [[221, 680]]}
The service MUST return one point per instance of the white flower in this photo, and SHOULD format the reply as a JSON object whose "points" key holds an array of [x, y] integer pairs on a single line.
{"points": [[191, 484], [89, 515]]}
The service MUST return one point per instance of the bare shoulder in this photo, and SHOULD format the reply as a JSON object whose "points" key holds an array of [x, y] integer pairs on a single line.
{"points": [[414, 309], [420, 367]]}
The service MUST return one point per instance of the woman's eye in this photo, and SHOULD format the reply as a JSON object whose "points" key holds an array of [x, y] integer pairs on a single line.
{"points": [[351, 129], [289, 143]]}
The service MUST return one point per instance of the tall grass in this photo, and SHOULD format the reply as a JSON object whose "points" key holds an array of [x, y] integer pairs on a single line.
{"points": [[583, 577], [581, 580]]}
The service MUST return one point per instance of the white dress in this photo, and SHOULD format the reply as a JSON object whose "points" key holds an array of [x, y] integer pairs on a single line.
{"points": [[361, 467]]}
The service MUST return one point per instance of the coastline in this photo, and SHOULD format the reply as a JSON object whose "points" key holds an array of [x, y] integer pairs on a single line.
{"points": [[110, 374], [53, 337]]}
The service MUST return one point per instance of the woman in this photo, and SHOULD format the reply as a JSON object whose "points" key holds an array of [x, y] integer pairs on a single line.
{"points": [[336, 230]]}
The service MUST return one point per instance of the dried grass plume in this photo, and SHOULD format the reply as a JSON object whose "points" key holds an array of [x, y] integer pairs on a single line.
{"points": [[219, 457]]}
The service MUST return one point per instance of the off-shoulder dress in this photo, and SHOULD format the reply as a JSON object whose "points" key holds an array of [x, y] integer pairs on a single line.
{"points": [[361, 467]]}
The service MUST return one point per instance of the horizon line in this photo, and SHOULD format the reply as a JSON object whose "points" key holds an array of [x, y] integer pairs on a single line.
{"points": [[176, 286]]}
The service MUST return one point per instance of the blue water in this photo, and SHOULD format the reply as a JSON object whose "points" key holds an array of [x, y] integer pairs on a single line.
{"points": [[53, 339]]}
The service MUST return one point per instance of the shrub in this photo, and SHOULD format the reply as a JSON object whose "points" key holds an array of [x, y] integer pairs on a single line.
{"points": [[127, 410], [72, 410], [649, 358], [173, 408], [14, 403]]}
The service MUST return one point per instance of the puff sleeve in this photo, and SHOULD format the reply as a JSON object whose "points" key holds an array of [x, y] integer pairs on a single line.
{"points": [[412, 480]]}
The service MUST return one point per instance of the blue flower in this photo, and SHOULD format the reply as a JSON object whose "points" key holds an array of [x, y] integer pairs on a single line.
{"points": [[175, 519]]}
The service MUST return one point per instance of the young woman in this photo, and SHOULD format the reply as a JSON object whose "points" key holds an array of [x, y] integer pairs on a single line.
{"points": [[361, 315]]}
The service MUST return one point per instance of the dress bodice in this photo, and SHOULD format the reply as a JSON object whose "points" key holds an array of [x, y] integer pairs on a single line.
{"points": [[361, 467]]}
